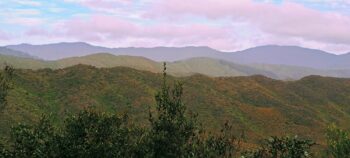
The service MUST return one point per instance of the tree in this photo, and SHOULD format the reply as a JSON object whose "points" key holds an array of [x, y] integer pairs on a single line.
{"points": [[173, 134], [94, 134], [282, 147], [171, 130], [5, 84], [338, 142], [33, 140], [223, 144]]}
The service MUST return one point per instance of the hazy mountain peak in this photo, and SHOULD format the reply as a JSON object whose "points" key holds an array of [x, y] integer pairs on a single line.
{"points": [[287, 55]]}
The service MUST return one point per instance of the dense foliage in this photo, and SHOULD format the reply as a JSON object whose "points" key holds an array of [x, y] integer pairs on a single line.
{"points": [[258, 105], [284, 147], [96, 134], [338, 142], [171, 129]]}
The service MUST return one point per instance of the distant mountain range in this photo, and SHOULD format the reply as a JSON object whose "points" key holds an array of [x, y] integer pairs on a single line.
{"points": [[270, 54], [10, 52], [278, 62]]}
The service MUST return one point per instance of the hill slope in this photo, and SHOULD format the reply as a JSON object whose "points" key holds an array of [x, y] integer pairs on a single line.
{"points": [[257, 105], [206, 66]]}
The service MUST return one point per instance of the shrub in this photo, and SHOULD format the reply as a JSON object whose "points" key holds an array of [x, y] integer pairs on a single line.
{"points": [[283, 147], [338, 142]]}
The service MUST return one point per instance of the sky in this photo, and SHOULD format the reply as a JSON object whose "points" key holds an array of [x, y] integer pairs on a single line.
{"points": [[227, 25]]}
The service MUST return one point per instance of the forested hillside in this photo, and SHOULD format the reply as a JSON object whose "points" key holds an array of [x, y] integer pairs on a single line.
{"points": [[256, 106]]}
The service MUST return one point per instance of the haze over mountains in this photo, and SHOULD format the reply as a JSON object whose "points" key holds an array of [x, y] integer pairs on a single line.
{"points": [[10, 52], [279, 62], [270, 54]]}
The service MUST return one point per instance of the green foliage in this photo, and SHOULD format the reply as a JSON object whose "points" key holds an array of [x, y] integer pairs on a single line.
{"points": [[170, 130], [5, 84], [96, 134], [92, 134], [222, 145], [338, 142], [37, 140], [284, 147], [88, 134], [173, 134], [306, 106]]}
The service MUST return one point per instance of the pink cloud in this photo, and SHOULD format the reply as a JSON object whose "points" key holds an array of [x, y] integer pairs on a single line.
{"points": [[97, 27], [221, 24], [101, 4], [4, 36], [288, 19], [105, 28], [108, 4], [24, 21]]}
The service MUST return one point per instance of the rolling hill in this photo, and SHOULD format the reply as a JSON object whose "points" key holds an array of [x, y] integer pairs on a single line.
{"points": [[201, 65], [255, 105]]}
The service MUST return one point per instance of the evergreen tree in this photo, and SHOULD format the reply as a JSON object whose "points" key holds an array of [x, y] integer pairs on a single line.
{"points": [[171, 130], [175, 134]]}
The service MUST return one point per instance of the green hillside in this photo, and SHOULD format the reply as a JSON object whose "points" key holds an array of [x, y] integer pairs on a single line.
{"points": [[256, 105], [109, 60], [25, 63], [214, 68]]}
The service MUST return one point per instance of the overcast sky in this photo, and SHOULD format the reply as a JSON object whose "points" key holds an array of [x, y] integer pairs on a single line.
{"points": [[228, 25]]}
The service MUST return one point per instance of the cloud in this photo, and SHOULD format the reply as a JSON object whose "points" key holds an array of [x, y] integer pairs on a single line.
{"points": [[222, 24], [28, 3], [4, 36], [101, 4], [287, 19], [24, 21], [25, 12], [106, 28], [23, 17]]}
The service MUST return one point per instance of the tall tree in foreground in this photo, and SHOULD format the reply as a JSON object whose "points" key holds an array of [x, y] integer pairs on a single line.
{"points": [[173, 134], [171, 130]]}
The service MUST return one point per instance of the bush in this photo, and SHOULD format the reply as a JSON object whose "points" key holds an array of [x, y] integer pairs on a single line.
{"points": [[284, 147], [87, 134], [338, 142]]}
